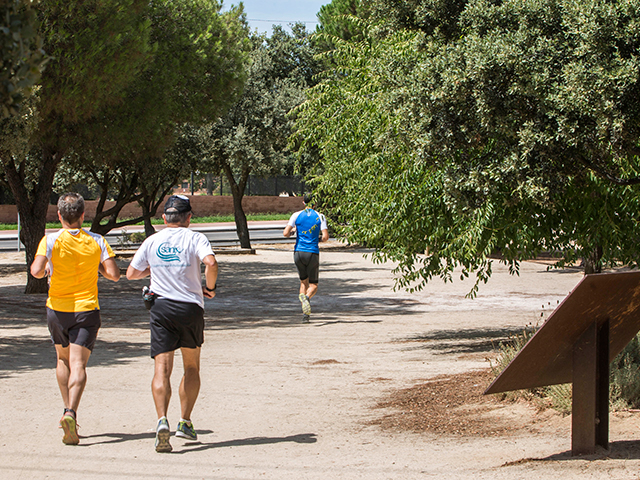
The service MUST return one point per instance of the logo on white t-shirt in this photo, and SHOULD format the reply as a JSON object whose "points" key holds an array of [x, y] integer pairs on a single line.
{"points": [[169, 253]]}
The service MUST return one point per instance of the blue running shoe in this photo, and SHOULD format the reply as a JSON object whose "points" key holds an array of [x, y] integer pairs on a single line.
{"points": [[162, 436], [186, 430]]}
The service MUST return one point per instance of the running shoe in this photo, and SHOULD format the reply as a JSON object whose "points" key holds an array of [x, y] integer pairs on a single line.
{"points": [[306, 306], [186, 430], [162, 436], [70, 428], [305, 318]]}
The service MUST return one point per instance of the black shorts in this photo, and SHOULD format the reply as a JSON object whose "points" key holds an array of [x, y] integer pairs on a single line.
{"points": [[175, 325], [79, 328], [308, 265]]}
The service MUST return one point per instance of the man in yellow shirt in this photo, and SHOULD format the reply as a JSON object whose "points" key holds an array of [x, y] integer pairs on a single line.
{"points": [[72, 257]]}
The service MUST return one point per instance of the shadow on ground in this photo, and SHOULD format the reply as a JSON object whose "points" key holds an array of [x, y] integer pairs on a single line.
{"points": [[197, 446], [624, 449], [27, 353], [250, 295], [474, 340]]}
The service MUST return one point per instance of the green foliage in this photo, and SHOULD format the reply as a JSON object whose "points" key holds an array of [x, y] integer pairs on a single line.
{"points": [[335, 21], [97, 49], [466, 129], [23, 58], [432, 17], [625, 376], [140, 148], [252, 137]]}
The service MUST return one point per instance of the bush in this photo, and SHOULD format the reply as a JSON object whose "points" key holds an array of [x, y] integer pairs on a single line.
{"points": [[137, 237]]}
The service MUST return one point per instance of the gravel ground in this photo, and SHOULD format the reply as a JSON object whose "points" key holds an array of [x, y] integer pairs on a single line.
{"points": [[380, 385]]}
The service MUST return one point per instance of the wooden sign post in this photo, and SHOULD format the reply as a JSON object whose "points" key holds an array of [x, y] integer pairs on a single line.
{"points": [[575, 345]]}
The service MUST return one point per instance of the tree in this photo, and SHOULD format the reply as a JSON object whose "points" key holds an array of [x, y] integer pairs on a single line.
{"points": [[139, 149], [335, 23], [508, 127], [252, 137], [90, 68], [23, 58]]}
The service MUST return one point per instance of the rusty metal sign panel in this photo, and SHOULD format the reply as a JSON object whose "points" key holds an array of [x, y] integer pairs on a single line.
{"points": [[547, 358]]}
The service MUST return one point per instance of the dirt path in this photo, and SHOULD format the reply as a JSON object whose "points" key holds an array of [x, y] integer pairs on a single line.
{"points": [[283, 400]]}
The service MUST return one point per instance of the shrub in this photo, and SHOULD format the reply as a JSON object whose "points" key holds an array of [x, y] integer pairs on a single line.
{"points": [[137, 237]]}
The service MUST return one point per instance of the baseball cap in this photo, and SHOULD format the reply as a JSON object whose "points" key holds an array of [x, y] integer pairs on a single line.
{"points": [[177, 204]]}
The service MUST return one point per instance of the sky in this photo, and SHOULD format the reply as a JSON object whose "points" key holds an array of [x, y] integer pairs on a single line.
{"points": [[262, 14]]}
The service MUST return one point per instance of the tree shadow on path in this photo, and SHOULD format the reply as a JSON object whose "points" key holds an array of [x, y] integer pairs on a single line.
{"points": [[253, 294], [461, 341]]}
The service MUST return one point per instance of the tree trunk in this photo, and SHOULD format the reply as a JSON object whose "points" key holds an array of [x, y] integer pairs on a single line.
{"points": [[237, 191], [209, 177], [126, 194], [593, 263], [32, 229], [242, 227], [32, 203]]}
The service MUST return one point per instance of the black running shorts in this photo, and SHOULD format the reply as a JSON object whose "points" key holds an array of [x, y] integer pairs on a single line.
{"points": [[308, 265], [175, 325], [79, 328]]}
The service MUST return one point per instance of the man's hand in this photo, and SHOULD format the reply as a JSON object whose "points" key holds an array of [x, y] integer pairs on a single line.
{"points": [[109, 269], [210, 275], [40, 267]]}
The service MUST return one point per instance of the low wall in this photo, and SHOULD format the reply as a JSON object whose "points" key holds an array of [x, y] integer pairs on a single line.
{"points": [[202, 205]]}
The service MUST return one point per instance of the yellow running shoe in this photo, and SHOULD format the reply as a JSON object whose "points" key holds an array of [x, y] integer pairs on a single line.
{"points": [[70, 427]]}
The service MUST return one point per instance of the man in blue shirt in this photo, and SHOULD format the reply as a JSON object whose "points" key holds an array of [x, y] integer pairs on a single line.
{"points": [[311, 229]]}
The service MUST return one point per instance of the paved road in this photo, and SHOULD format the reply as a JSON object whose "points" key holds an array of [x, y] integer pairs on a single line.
{"points": [[220, 234]]}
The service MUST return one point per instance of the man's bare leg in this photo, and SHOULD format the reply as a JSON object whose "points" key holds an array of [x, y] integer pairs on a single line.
{"points": [[161, 390], [161, 383], [78, 359], [312, 289], [63, 372], [304, 299], [190, 384], [71, 373], [189, 389], [308, 289]]}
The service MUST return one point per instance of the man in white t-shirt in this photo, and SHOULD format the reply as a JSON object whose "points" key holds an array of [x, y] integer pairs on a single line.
{"points": [[172, 257]]}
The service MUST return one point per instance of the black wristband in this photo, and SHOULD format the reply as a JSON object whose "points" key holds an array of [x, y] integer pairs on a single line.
{"points": [[210, 289]]}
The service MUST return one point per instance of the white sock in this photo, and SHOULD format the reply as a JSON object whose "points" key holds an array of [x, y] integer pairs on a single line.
{"points": [[188, 422]]}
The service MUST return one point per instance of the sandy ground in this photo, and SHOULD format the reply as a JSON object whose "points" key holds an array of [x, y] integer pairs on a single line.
{"points": [[285, 400]]}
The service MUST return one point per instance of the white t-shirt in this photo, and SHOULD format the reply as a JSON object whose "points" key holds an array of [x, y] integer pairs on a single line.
{"points": [[174, 255]]}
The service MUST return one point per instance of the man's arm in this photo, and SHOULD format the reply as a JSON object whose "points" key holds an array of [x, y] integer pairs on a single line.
{"points": [[325, 235], [109, 269], [134, 274], [288, 231], [210, 276], [39, 266]]}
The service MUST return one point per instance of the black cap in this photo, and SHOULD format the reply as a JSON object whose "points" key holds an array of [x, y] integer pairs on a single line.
{"points": [[177, 204]]}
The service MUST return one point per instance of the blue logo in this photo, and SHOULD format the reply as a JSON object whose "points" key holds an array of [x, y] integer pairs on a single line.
{"points": [[168, 253]]}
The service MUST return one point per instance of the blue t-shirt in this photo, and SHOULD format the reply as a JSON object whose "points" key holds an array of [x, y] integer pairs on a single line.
{"points": [[309, 225]]}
